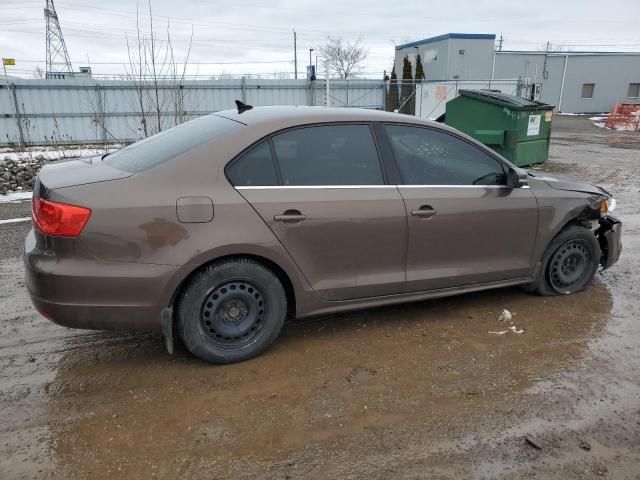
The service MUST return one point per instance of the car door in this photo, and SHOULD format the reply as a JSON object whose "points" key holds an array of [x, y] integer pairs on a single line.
{"points": [[325, 198], [465, 225]]}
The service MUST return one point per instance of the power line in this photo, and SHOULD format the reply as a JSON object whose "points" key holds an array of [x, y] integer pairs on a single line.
{"points": [[282, 30], [189, 63], [242, 26]]}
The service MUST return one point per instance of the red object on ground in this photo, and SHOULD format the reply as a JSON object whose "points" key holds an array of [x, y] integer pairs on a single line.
{"points": [[624, 116]]}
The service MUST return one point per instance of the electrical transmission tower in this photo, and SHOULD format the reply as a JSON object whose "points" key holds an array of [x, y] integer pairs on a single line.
{"points": [[58, 62]]}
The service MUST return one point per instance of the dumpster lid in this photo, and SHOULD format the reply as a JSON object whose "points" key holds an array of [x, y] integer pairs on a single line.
{"points": [[505, 100]]}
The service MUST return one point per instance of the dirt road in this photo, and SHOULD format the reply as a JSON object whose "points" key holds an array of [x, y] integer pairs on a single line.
{"points": [[415, 391]]}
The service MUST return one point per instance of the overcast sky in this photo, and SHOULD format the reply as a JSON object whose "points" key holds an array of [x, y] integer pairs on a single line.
{"points": [[250, 36]]}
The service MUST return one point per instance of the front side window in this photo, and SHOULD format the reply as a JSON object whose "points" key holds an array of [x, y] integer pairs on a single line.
{"points": [[430, 157], [254, 168], [328, 155], [634, 90]]}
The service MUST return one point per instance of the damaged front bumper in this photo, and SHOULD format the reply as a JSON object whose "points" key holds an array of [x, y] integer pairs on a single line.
{"points": [[609, 235]]}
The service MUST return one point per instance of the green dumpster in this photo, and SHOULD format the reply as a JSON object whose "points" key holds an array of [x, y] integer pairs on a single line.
{"points": [[516, 128]]}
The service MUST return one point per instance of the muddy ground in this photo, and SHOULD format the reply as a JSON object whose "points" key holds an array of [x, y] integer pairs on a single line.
{"points": [[414, 391]]}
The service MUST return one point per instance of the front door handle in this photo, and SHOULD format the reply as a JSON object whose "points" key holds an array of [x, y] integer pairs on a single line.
{"points": [[290, 216], [425, 211]]}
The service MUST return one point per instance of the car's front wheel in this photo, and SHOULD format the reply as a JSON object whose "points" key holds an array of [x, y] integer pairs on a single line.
{"points": [[569, 263], [231, 311]]}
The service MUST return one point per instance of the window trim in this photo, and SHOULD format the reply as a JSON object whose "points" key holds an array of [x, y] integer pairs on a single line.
{"points": [[316, 187], [506, 166], [269, 138], [333, 187], [274, 160], [629, 89]]}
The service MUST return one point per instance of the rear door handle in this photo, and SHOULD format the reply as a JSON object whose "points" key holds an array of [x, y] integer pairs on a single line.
{"points": [[425, 211], [290, 216]]}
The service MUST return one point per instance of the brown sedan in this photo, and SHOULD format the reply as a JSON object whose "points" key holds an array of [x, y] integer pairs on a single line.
{"points": [[222, 227]]}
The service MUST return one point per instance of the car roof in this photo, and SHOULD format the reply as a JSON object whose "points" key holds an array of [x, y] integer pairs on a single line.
{"points": [[293, 115], [261, 121]]}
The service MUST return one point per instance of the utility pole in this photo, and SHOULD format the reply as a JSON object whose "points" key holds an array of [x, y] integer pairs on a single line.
{"points": [[295, 54], [500, 43], [545, 73], [326, 74], [5, 62]]}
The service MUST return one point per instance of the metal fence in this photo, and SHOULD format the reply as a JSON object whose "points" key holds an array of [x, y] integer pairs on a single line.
{"points": [[86, 111]]}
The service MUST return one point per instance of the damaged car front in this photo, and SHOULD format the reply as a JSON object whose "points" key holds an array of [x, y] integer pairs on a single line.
{"points": [[594, 211]]}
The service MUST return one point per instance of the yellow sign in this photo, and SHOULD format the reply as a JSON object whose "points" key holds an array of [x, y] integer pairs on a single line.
{"points": [[8, 61]]}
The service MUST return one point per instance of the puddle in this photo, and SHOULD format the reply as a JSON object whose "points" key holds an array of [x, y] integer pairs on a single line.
{"points": [[325, 383]]}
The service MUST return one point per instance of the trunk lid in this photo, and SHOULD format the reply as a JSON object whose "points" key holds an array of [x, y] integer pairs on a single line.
{"points": [[68, 173]]}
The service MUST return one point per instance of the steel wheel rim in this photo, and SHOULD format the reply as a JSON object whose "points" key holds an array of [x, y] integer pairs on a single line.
{"points": [[233, 314], [569, 265]]}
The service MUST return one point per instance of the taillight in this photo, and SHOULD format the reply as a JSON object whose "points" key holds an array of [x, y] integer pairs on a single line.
{"points": [[58, 219]]}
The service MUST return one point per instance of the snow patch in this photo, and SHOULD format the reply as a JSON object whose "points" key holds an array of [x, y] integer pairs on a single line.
{"points": [[16, 197], [55, 153]]}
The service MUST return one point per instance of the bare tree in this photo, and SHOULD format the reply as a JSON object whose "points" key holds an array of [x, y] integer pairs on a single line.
{"points": [[96, 97], [157, 77], [345, 58], [38, 72], [177, 92], [136, 71]]}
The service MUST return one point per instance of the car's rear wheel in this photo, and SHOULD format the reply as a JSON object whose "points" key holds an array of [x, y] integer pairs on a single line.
{"points": [[231, 311], [569, 263]]}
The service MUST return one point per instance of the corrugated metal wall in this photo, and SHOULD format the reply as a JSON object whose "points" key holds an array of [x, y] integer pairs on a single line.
{"points": [[562, 75], [87, 111]]}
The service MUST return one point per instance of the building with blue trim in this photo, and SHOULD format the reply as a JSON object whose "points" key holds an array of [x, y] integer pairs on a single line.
{"points": [[451, 56], [575, 82]]}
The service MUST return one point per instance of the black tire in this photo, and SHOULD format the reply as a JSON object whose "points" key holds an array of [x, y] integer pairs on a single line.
{"points": [[569, 263], [231, 311]]}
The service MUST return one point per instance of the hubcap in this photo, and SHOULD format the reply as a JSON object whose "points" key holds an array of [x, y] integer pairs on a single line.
{"points": [[569, 265], [233, 313]]}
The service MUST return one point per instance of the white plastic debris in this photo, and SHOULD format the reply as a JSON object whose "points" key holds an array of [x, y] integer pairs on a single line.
{"points": [[15, 220], [515, 329], [501, 332], [505, 316]]}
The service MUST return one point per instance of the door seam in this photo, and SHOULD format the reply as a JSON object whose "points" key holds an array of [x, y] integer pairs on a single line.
{"points": [[406, 242]]}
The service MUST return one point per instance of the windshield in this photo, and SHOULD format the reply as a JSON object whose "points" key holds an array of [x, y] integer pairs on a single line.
{"points": [[166, 145]]}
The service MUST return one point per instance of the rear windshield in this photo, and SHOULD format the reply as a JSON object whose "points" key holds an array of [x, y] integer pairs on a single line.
{"points": [[164, 146]]}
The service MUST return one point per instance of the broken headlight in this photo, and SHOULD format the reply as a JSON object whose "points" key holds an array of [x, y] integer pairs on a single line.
{"points": [[611, 205], [603, 205], [607, 206]]}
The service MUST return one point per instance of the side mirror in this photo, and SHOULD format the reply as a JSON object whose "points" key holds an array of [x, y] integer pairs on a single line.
{"points": [[516, 178]]}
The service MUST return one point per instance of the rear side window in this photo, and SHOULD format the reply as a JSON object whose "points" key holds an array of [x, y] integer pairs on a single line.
{"points": [[431, 157], [328, 155], [255, 167], [166, 145]]}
